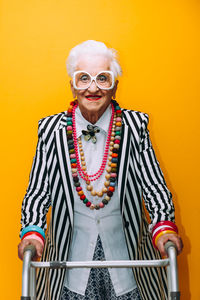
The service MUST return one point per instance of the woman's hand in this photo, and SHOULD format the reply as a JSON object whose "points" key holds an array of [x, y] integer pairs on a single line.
{"points": [[38, 246], [162, 240]]}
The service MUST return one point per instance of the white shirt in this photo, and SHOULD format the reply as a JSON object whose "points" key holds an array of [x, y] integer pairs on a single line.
{"points": [[106, 222]]}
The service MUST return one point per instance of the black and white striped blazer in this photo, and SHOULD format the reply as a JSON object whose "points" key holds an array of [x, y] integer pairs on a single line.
{"points": [[139, 177]]}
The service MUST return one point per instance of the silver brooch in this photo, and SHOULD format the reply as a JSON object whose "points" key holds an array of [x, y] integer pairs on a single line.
{"points": [[90, 133]]}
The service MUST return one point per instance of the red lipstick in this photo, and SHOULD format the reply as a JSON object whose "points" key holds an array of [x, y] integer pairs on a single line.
{"points": [[93, 97]]}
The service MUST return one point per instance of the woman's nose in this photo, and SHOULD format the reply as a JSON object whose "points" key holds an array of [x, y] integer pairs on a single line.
{"points": [[93, 87]]}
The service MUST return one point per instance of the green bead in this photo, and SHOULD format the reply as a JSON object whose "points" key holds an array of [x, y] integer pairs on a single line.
{"points": [[73, 160], [85, 200], [104, 201], [117, 132], [69, 122], [71, 141]]}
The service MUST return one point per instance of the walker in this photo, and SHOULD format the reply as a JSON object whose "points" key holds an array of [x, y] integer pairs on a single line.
{"points": [[29, 269]]}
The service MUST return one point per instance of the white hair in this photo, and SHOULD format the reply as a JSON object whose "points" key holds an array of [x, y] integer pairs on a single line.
{"points": [[93, 48]]}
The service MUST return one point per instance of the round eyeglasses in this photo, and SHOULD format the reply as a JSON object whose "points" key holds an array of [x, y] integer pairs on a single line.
{"points": [[104, 80]]}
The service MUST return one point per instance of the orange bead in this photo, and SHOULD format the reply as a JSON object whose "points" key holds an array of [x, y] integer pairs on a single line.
{"points": [[114, 155], [80, 193], [113, 165], [73, 165], [111, 189], [118, 124]]}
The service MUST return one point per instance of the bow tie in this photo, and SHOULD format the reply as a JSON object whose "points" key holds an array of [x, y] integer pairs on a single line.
{"points": [[90, 133]]}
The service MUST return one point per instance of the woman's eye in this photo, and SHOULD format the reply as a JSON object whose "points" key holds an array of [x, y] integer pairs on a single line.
{"points": [[102, 78], [84, 78]]}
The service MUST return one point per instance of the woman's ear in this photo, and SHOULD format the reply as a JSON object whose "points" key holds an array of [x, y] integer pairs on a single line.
{"points": [[72, 89], [115, 89]]}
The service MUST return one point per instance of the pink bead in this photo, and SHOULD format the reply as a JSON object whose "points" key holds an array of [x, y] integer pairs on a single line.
{"points": [[101, 205], [69, 127], [113, 174], [74, 174], [73, 155], [118, 119], [79, 188]]}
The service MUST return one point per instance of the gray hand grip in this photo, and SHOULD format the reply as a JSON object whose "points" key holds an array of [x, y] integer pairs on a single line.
{"points": [[168, 245], [30, 248]]}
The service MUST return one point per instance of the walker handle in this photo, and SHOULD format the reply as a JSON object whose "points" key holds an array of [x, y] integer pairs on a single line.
{"points": [[32, 249], [29, 253], [168, 245], [173, 284]]}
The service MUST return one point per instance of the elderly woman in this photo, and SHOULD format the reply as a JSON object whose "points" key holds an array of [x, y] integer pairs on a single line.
{"points": [[93, 165]]}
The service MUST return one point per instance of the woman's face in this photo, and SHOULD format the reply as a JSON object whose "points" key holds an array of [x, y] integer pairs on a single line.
{"points": [[93, 100]]}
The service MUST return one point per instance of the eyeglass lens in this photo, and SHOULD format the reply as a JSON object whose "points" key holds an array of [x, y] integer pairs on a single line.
{"points": [[103, 80]]}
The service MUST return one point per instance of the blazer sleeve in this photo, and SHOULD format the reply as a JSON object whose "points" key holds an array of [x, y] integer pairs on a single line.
{"points": [[37, 199], [157, 197]]}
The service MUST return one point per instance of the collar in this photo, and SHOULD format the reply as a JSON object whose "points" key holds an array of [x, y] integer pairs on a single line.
{"points": [[102, 123]]}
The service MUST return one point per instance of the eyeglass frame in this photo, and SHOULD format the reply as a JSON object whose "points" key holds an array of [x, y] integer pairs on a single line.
{"points": [[93, 78]]}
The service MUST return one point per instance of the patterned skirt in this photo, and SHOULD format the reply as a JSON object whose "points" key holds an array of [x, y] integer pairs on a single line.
{"points": [[99, 285]]}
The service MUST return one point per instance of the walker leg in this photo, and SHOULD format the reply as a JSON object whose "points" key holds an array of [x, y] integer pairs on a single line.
{"points": [[33, 283]]}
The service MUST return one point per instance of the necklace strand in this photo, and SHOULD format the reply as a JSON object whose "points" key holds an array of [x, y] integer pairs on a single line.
{"points": [[82, 172], [112, 156]]}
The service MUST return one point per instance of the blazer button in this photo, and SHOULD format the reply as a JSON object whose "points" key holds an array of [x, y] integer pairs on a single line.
{"points": [[126, 224]]}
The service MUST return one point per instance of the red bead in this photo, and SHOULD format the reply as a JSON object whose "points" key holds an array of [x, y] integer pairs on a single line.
{"points": [[114, 155], [82, 197], [117, 141], [111, 189], [118, 111], [79, 188], [88, 204]]}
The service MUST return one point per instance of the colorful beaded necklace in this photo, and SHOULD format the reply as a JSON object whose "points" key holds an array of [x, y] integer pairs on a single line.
{"points": [[110, 154]]}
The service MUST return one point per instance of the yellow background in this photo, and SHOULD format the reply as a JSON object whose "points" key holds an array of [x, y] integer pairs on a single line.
{"points": [[157, 43]]}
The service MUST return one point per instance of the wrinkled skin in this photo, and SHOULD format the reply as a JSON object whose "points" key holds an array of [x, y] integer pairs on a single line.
{"points": [[176, 239], [24, 243]]}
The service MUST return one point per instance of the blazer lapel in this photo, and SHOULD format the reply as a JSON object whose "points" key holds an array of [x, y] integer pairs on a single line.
{"points": [[123, 163], [65, 168]]}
